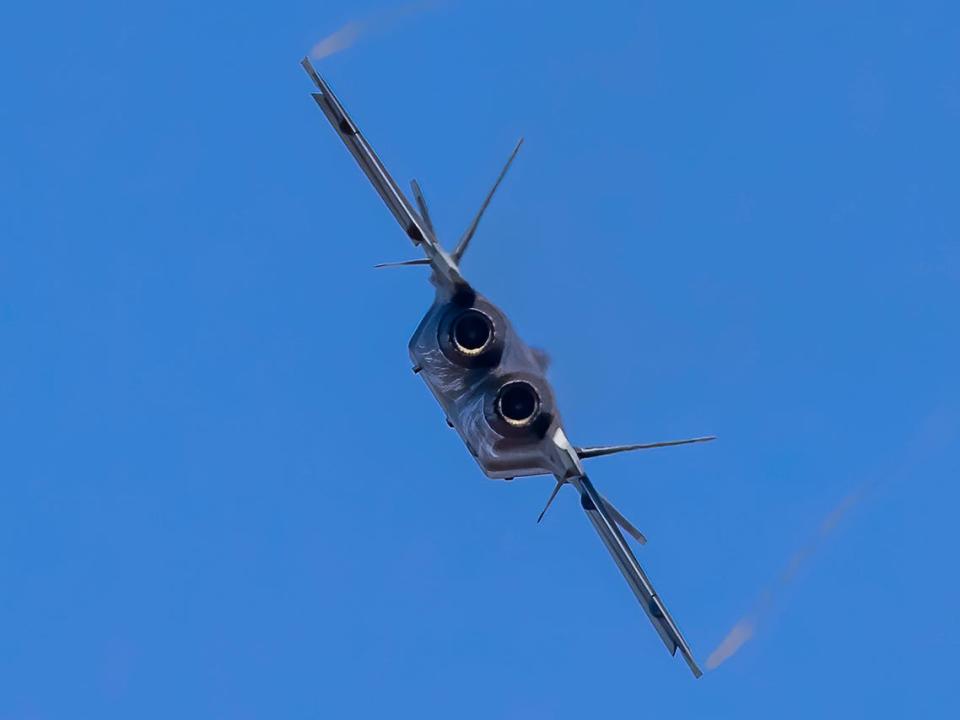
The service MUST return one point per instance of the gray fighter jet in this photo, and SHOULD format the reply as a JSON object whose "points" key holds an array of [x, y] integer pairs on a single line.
{"points": [[489, 382]]}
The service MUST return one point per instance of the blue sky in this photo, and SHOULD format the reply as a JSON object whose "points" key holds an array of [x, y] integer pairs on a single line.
{"points": [[224, 495]]}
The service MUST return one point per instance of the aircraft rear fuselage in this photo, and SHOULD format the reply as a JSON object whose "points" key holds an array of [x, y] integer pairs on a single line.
{"points": [[490, 383]]}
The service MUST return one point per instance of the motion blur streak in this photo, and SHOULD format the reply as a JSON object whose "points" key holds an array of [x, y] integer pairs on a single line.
{"points": [[383, 21], [746, 627]]}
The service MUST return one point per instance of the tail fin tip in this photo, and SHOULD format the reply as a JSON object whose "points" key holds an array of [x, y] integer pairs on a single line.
{"points": [[468, 234]]}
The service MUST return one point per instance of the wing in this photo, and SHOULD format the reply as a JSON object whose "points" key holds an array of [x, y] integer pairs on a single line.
{"points": [[599, 515], [416, 228]]}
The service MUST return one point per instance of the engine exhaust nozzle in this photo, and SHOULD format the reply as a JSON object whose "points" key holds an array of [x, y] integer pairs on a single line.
{"points": [[518, 403], [472, 333]]}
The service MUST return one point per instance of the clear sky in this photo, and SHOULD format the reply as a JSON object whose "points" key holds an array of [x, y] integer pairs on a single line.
{"points": [[224, 495]]}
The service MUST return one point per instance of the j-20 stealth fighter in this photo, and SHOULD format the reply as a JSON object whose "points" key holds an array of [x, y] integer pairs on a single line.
{"points": [[489, 382]]}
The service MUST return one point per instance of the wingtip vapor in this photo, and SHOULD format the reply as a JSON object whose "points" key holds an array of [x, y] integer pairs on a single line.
{"points": [[491, 385]]}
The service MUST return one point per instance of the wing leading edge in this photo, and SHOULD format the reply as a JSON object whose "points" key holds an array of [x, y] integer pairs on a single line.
{"points": [[418, 229], [596, 509]]}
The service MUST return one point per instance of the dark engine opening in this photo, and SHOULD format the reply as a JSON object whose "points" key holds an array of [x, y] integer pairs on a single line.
{"points": [[472, 332], [518, 403]]}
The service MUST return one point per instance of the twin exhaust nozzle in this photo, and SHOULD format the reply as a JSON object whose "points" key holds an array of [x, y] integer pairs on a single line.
{"points": [[473, 338]]}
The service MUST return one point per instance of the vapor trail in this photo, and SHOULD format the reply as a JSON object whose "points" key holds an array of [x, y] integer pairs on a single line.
{"points": [[746, 627], [380, 22], [340, 40], [738, 635]]}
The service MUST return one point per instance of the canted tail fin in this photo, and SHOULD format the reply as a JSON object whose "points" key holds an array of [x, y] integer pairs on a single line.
{"points": [[404, 263], [461, 248], [591, 452]]}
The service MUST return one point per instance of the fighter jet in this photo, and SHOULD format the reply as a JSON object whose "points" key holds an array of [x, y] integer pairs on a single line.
{"points": [[491, 385]]}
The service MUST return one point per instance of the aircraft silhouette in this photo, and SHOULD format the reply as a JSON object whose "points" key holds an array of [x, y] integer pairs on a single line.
{"points": [[489, 382]]}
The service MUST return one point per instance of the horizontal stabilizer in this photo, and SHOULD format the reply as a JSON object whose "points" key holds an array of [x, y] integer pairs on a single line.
{"points": [[422, 205], [624, 523], [592, 452], [614, 513], [598, 510]]}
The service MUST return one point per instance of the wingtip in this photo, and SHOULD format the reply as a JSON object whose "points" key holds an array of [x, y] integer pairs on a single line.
{"points": [[689, 659], [311, 71]]}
